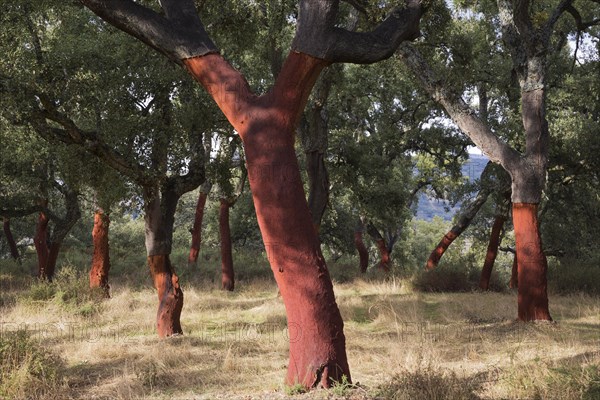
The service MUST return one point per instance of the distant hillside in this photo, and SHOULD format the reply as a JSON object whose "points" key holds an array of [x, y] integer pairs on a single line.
{"points": [[429, 207]]}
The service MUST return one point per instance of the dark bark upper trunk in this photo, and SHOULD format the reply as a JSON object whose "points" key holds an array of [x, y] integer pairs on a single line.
{"points": [[197, 227], [363, 253], [14, 251]]}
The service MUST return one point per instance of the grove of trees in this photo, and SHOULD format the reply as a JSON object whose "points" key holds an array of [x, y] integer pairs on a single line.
{"points": [[340, 115]]}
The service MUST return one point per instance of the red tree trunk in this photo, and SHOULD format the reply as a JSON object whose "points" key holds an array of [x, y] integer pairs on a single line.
{"points": [[362, 251], [100, 258], [14, 251], [492, 252], [514, 278], [40, 241], [170, 296], [532, 264], [384, 263], [197, 229], [266, 125], [159, 218], [440, 249], [227, 277]]}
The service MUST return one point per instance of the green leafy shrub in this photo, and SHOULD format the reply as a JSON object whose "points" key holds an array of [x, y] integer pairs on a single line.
{"points": [[570, 276], [70, 289]]}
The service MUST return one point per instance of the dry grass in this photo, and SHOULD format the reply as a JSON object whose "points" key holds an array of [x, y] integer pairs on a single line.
{"points": [[401, 344]]}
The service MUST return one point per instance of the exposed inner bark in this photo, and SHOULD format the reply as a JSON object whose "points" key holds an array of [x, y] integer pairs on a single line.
{"points": [[14, 251], [532, 264], [197, 228], [266, 125], [384, 253], [492, 252], [440, 249], [464, 220], [227, 275], [361, 248], [170, 296], [159, 218], [100, 258]]}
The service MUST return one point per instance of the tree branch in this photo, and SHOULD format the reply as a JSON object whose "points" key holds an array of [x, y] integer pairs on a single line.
{"points": [[466, 118], [318, 36], [179, 34], [71, 134]]}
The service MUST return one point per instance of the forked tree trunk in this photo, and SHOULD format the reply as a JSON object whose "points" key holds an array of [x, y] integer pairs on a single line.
{"points": [[62, 227], [227, 275], [197, 228], [492, 252], [363, 253], [514, 277], [266, 125], [531, 263], [100, 258], [159, 218], [14, 251]]}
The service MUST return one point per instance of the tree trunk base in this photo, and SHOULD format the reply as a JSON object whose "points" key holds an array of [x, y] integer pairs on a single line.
{"points": [[531, 263], [170, 296]]}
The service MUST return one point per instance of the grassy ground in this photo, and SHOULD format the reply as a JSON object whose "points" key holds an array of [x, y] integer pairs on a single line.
{"points": [[401, 344]]}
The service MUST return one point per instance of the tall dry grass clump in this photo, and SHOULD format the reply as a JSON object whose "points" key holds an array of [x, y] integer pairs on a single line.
{"points": [[28, 370]]}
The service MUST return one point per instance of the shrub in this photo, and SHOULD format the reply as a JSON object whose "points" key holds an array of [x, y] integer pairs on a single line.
{"points": [[429, 384], [443, 279], [570, 275], [70, 289], [27, 370]]}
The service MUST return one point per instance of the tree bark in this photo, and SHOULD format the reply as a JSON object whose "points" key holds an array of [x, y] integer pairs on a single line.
{"points": [[159, 219], [531, 264], [492, 252], [100, 258], [384, 262], [360, 247], [170, 296], [318, 183], [40, 241], [313, 133], [463, 223], [14, 251], [266, 125], [50, 268], [227, 275], [197, 228], [514, 278]]}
